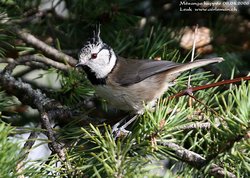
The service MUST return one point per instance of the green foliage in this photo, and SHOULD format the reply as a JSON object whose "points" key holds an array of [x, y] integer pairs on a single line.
{"points": [[5, 101], [9, 153], [5, 39], [154, 42], [150, 43], [97, 154], [234, 132], [92, 150], [4, 43], [74, 88]]}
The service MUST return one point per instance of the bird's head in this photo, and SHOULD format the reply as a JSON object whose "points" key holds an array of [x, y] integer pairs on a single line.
{"points": [[97, 56]]}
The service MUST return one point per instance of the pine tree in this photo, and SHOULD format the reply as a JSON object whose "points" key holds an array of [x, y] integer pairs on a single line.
{"points": [[205, 134]]}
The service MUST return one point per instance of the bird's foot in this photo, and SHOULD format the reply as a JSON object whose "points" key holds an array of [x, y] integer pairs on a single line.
{"points": [[121, 131]]}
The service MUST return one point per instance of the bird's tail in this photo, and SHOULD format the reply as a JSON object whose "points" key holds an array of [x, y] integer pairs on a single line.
{"points": [[194, 64]]}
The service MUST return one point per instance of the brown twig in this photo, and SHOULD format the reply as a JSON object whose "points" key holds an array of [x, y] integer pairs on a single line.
{"points": [[30, 141], [55, 145], [27, 146], [195, 125], [219, 172], [196, 160], [199, 101], [33, 64], [44, 60], [46, 49], [224, 82]]}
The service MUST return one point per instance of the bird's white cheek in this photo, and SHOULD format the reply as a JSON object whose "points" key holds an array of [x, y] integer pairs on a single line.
{"points": [[98, 62], [101, 60]]}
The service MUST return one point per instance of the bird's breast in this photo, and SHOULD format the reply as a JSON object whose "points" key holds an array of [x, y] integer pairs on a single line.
{"points": [[118, 97], [134, 97]]}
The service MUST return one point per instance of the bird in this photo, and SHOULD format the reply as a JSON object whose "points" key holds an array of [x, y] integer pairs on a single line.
{"points": [[130, 84]]}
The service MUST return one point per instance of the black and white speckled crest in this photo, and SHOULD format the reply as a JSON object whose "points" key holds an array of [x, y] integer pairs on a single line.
{"points": [[92, 42]]}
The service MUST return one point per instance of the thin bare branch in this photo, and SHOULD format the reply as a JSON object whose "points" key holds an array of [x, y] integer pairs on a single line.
{"points": [[46, 49], [195, 125], [27, 146], [13, 63], [44, 60], [224, 82], [55, 145], [30, 141], [196, 160]]}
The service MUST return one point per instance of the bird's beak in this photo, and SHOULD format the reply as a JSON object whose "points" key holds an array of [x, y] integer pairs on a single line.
{"points": [[80, 64]]}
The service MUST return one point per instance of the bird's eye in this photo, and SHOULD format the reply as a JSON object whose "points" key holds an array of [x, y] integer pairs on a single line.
{"points": [[93, 55]]}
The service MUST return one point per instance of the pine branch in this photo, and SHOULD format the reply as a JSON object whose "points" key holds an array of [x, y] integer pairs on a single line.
{"points": [[43, 60], [48, 108], [37, 61], [46, 49], [196, 160], [33, 64]]}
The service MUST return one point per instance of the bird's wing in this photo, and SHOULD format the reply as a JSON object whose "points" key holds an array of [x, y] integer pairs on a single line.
{"points": [[134, 71], [129, 72]]}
